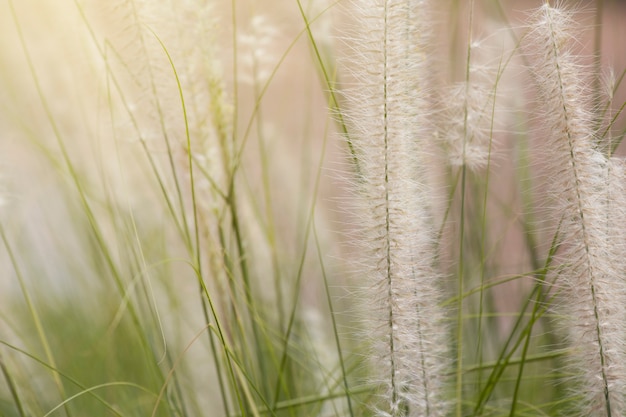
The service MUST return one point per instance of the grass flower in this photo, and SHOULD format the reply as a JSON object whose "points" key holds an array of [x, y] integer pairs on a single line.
{"points": [[591, 273], [387, 113]]}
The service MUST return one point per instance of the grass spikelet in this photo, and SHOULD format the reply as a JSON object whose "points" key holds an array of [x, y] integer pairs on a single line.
{"points": [[469, 111], [387, 115], [468, 142], [590, 277]]}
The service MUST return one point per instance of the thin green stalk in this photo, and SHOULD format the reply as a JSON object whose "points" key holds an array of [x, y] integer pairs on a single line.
{"points": [[94, 388], [224, 345], [327, 292], [614, 144], [461, 268], [296, 289], [484, 223], [607, 107], [180, 224], [292, 316], [453, 189], [174, 366], [233, 301], [459, 306], [504, 361], [12, 387], [331, 90], [488, 285], [170, 157], [198, 257], [270, 225], [31, 306], [504, 358], [534, 317], [255, 411], [98, 234], [516, 361], [311, 399], [231, 195], [245, 274], [66, 377], [235, 73], [218, 366], [237, 157]]}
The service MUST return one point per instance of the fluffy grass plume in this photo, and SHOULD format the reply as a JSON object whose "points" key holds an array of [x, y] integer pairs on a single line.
{"points": [[387, 113], [591, 271]]}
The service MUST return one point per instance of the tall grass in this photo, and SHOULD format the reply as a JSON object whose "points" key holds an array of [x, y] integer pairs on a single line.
{"points": [[311, 208], [387, 122]]}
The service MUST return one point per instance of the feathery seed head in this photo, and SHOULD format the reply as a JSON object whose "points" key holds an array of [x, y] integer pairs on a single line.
{"points": [[584, 182], [469, 118], [387, 116], [255, 47], [468, 132]]}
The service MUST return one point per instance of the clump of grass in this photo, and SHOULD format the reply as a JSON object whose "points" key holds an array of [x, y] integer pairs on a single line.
{"points": [[171, 234]]}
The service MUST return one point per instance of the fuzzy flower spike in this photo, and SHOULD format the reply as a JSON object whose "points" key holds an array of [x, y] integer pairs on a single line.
{"points": [[591, 273], [387, 119]]}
